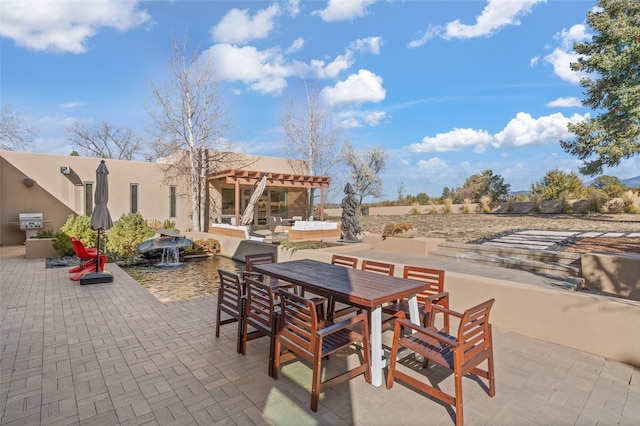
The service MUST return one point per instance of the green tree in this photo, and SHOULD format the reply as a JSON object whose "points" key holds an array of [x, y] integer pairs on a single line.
{"points": [[422, 199], [612, 56], [611, 186], [485, 184], [555, 182]]}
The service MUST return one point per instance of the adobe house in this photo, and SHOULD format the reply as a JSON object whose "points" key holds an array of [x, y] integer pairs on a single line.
{"points": [[58, 186]]}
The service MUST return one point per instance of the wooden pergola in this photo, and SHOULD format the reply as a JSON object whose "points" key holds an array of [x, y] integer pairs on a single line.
{"points": [[239, 177]]}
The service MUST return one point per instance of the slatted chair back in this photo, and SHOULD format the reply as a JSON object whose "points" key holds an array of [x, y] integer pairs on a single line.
{"points": [[81, 251], [303, 336], [434, 294], [348, 261], [258, 259], [378, 267], [261, 313], [230, 302], [462, 353], [332, 312]]}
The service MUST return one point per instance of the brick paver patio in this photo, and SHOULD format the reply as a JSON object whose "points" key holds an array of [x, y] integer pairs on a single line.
{"points": [[109, 354]]}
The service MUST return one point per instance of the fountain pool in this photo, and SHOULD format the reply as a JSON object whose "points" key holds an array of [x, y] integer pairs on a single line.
{"points": [[192, 278]]}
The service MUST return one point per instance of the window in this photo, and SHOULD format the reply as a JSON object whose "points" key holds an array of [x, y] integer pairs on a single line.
{"points": [[278, 203], [88, 198], [228, 201], [172, 202], [134, 197]]}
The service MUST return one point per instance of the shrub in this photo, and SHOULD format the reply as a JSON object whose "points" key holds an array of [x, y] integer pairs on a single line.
{"points": [[511, 204], [466, 207], [125, 236], [169, 224], [485, 204], [415, 209], [564, 205], [448, 203], [392, 228], [62, 244], [433, 208], [45, 233], [537, 201], [594, 201], [630, 202], [80, 227]]}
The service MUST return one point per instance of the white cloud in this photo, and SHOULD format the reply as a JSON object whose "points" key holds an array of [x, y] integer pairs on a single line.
{"points": [[357, 118], [237, 26], [264, 71], [521, 131], [562, 56], [454, 140], [367, 45], [65, 26], [296, 46], [497, 14], [428, 35], [342, 10], [525, 130], [293, 7], [564, 102], [534, 61], [357, 88]]}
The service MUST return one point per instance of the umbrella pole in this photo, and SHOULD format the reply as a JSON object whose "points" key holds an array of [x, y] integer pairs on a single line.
{"points": [[98, 253]]}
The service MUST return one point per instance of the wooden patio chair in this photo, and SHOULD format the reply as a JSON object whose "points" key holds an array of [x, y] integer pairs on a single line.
{"points": [[262, 313], [231, 301], [332, 312], [435, 294], [302, 336], [260, 259], [378, 267], [461, 353]]}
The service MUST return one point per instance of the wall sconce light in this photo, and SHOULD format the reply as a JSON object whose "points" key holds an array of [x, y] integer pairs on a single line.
{"points": [[65, 170], [28, 182]]}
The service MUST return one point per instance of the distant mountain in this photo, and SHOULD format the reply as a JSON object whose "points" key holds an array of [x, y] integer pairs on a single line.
{"points": [[633, 182]]}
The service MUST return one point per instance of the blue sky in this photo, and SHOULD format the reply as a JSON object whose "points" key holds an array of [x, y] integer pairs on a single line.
{"points": [[447, 88]]}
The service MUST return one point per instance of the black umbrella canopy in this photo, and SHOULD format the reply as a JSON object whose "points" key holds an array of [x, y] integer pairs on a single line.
{"points": [[101, 218]]}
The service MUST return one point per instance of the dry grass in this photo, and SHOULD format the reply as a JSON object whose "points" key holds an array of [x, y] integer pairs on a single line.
{"points": [[461, 227]]}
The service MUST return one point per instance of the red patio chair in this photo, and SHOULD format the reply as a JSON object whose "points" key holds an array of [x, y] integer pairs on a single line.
{"points": [[87, 258]]}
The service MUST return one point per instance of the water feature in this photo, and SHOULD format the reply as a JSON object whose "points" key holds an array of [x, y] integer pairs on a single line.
{"points": [[184, 280]]}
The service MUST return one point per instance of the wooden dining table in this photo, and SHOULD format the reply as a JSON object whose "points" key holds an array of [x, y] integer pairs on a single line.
{"points": [[355, 287]]}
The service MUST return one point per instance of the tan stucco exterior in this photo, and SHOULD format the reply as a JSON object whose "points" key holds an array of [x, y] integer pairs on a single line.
{"points": [[34, 183]]}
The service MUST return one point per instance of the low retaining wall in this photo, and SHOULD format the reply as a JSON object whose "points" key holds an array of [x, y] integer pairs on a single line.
{"points": [[617, 273], [36, 248]]}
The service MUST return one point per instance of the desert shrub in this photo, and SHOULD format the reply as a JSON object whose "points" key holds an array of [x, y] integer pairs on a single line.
{"points": [[564, 204], [209, 246], [433, 208], [511, 204], [155, 224], [630, 202], [448, 205], [45, 233], [169, 224], [415, 209], [466, 205], [536, 203], [393, 228], [595, 201], [62, 244], [126, 234], [485, 204], [80, 227]]}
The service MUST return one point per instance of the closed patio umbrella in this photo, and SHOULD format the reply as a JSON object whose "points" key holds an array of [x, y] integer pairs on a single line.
{"points": [[247, 216], [100, 221]]}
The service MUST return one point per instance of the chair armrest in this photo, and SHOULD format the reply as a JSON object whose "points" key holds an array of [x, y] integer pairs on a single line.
{"points": [[429, 332], [434, 310], [436, 297], [341, 325]]}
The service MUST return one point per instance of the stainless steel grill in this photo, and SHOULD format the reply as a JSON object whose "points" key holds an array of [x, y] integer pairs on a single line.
{"points": [[31, 223]]}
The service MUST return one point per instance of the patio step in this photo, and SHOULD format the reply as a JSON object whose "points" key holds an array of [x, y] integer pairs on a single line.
{"points": [[541, 261]]}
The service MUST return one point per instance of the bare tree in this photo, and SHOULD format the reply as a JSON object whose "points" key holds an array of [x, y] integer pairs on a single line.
{"points": [[190, 123], [104, 140], [312, 141], [15, 131], [365, 168]]}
